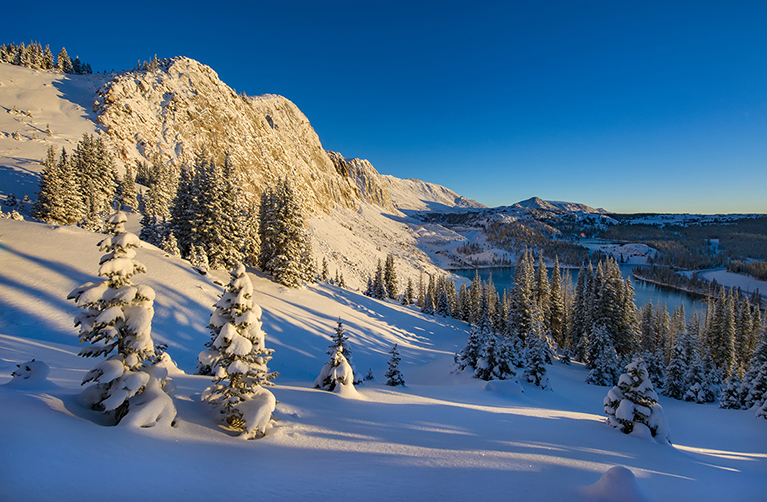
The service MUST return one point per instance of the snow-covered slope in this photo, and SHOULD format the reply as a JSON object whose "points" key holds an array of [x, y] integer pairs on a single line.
{"points": [[416, 195], [33, 102], [443, 437]]}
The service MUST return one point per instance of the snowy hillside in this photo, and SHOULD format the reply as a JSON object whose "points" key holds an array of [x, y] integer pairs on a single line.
{"points": [[557, 206], [33, 102], [444, 436]]}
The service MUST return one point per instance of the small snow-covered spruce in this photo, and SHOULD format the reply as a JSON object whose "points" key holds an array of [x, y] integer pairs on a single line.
{"points": [[117, 322], [393, 374], [634, 401], [337, 372], [369, 376], [237, 359]]}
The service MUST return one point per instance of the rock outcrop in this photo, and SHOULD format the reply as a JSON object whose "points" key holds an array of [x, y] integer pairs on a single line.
{"points": [[182, 107]]}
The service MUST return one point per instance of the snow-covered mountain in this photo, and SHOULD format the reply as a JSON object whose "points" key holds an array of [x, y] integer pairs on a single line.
{"points": [[557, 206]]}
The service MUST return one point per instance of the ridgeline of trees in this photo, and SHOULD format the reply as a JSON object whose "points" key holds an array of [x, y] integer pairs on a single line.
{"points": [[515, 237], [35, 57]]}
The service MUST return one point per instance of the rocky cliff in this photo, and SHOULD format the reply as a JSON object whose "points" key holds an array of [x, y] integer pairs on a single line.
{"points": [[183, 107]]}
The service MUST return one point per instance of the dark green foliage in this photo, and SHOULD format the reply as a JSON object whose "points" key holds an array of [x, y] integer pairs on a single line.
{"points": [[393, 374]]}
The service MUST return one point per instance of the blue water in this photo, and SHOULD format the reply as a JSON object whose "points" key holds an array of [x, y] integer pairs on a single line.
{"points": [[503, 279]]}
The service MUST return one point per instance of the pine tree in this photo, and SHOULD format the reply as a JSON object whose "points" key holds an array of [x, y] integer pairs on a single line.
{"points": [[470, 354], [185, 210], [675, 373], [325, 274], [757, 392], [128, 190], [604, 367], [758, 360], [429, 305], [578, 325], [283, 239], [117, 322], [337, 372], [487, 362], [730, 396], [379, 287], [556, 312], [407, 296], [63, 63], [538, 352], [49, 206], [95, 170], [523, 299], [393, 375], [251, 243], [237, 359], [390, 277], [634, 401]]}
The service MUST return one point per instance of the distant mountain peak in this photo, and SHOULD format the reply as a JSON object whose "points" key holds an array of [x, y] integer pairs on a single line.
{"points": [[557, 206]]}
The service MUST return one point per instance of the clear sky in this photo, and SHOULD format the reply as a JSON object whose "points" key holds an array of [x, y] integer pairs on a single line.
{"points": [[631, 106]]}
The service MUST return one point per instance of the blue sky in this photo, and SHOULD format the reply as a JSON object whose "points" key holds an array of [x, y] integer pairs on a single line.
{"points": [[630, 106]]}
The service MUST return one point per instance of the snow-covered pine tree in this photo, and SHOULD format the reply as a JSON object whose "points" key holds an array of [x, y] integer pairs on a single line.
{"points": [[393, 374], [379, 286], [694, 381], [157, 203], [633, 402], [758, 361], [96, 174], [675, 373], [604, 366], [538, 351], [407, 296], [712, 380], [578, 324], [369, 376], [283, 240], [237, 359], [169, 244], [117, 322], [128, 190], [63, 63], [730, 397], [487, 362], [49, 206], [471, 352], [556, 312], [337, 373], [185, 210], [429, 299], [390, 277], [251, 244]]}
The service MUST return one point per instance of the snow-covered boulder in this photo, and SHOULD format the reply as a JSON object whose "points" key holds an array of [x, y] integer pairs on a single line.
{"points": [[618, 484], [30, 374]]}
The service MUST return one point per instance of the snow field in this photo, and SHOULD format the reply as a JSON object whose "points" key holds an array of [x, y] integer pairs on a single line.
{"points": [[443, 436]]}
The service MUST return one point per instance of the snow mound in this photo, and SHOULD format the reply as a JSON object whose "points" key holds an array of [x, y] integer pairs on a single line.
{"points": [[257, 413], [505, 387], [618, 484], [30, 374], [153, 407]]}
